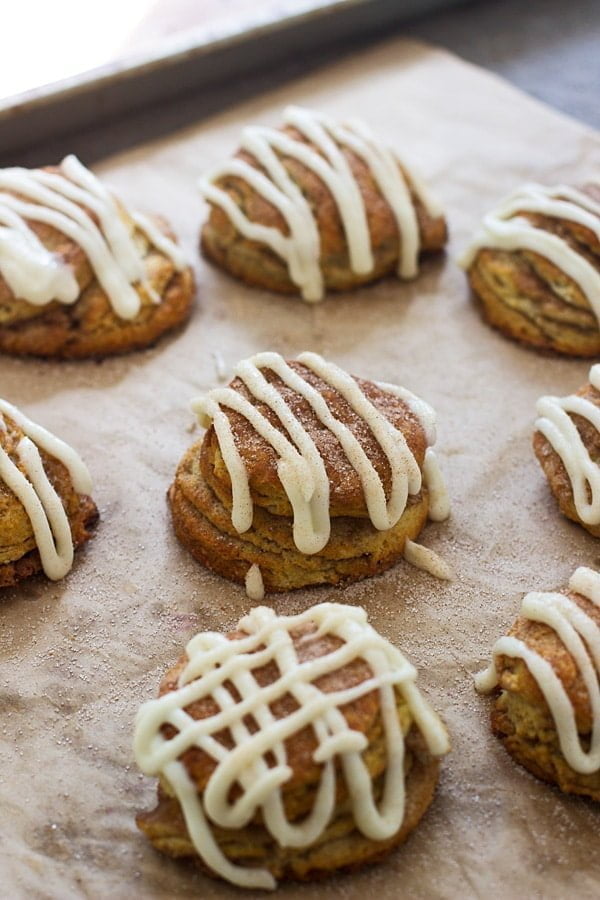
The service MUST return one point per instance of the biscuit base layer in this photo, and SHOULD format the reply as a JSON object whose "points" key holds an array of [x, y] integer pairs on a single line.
{"points": [[355, 549], [527, 732], [90, 329], [515, 297], [259, 267], [340, 848], [82, 522]]}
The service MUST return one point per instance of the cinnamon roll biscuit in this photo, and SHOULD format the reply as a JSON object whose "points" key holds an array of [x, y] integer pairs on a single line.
{"points": [[317, 206], [546, 674], [535, 268], [311, 475], [567, 445], [288, 749], [45, 508], [80, 276]]}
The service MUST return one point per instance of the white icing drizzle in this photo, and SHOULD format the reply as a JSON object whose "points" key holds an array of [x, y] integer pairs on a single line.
{"points": [[422, 410], [213, 660], [301, 468], [35, 274], [439, 501], [428, 560], [301, 248], [160, 240], [255, 588], [34, 490], [220, 366], [505, 228], [581, 637], [558, 428]]}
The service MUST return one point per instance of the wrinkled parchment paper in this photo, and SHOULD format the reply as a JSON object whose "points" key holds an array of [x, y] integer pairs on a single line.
{"points": [[78, 657]]}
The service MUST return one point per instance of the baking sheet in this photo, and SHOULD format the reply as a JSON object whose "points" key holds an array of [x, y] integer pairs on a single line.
{"points": [[78, 657], [180, 46]]}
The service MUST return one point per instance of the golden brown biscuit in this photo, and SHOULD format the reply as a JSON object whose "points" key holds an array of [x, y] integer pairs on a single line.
{"points": [[317, 206], [298, 733], [340, 513], [546, 675], [535, 268], [567, 445], [45, 509], [80, 276]]}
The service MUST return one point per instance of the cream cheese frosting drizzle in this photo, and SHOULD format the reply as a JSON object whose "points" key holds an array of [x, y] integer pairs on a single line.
{"points": [[439, 501], [212, 661], [581, 637], [557, 426], [301, 247], [506, 228], [58, 199], [427, 560], [301, 468], [255, 588], [32, 487]]}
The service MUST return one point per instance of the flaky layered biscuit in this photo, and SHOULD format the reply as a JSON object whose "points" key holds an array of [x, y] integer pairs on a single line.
{"points": [[567, 445], [522, 718], [92, 326], [340, 844], [340, 848], [536, 296], [201, 496], [354, 551], [252, 258], [19, 553]]}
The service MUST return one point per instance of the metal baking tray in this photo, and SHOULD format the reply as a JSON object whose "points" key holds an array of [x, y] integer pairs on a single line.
{"points": [[279, 33]]}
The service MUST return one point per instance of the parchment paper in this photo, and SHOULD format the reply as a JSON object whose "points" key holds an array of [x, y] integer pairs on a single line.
{"points": [[79, 657]]}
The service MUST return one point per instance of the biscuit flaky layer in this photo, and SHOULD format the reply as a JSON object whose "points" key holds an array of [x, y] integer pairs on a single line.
{"points": [[19, 557], [553, 466], [529, 299], [90, 327], [355, 549], [341, 845], [201, 499], [521, 717], [257, 265]]}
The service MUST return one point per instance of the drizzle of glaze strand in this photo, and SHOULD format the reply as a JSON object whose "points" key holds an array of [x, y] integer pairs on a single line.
{"points": [[581, 637], [255, 588], [439, 501], [214, 660], [428, 560]]}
